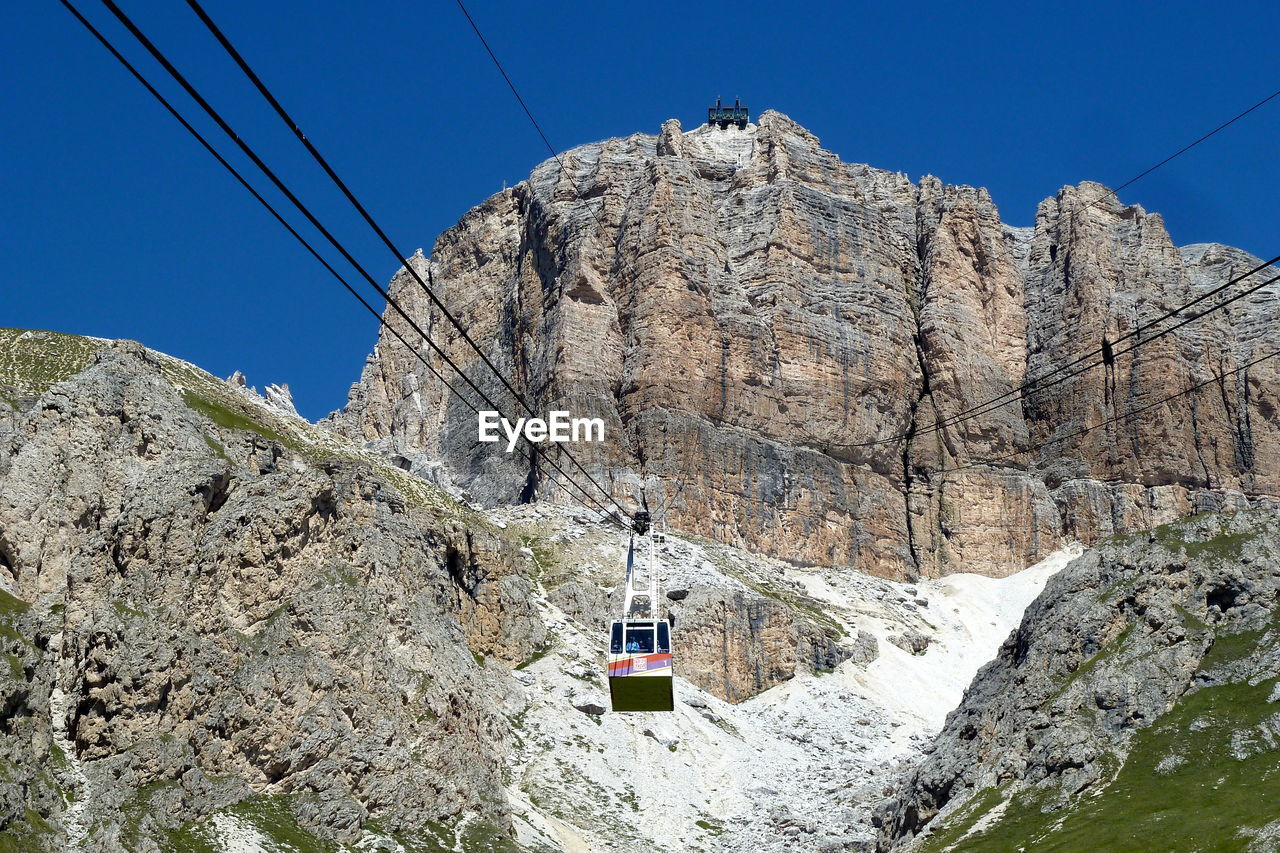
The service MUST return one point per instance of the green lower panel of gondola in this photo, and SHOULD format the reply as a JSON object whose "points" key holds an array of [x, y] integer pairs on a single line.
{"points": [[641, 693]]}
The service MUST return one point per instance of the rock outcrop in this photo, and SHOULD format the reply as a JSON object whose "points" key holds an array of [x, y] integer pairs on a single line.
{"points": [[203, 615], [757, 322], [1133, 709], [737, 644]]}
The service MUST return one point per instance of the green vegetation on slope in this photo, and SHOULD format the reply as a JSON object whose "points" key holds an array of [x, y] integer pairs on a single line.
{"points": [[32, 362], [1199, 778], [11, 606], [272, 820], [225, 417], [11, 609], [230, 409], [26, 833], [1224, 546], [1194, 780]]}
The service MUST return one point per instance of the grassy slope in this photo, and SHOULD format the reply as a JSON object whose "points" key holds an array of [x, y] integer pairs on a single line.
{"points": [[1220, 778], [271, 820], [31, 362]]}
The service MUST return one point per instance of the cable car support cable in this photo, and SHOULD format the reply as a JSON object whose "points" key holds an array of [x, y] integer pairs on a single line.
{"points": [[1033, 386], [226, 128], [368, 218]]}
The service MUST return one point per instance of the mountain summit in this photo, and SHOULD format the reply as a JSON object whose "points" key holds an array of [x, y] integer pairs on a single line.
{"points": [[771, 334]]}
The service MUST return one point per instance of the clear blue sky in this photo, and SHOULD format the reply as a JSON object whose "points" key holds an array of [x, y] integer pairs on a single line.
{"points": [[116, 224]]}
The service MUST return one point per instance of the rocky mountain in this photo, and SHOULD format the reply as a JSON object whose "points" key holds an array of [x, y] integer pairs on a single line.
{"points": [[209, 609], [1136, 708], [227, 629], [757, 322]]}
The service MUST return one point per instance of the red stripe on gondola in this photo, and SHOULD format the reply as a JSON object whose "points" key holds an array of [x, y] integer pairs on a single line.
{"points": [[622, 667]]}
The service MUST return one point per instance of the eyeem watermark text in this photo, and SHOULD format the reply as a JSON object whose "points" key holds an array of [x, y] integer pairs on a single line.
{"points": [[559, 426]]}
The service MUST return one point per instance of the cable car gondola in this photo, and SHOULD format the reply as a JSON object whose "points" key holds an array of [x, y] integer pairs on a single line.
{"points": [[640, 660]]}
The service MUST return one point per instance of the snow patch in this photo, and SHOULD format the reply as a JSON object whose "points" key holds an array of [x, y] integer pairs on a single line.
{"points": [[967, 618], [74, 819]]}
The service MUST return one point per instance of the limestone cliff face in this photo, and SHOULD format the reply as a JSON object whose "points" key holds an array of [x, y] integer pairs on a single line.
{"points": [[738, 645], [753, 317]]}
